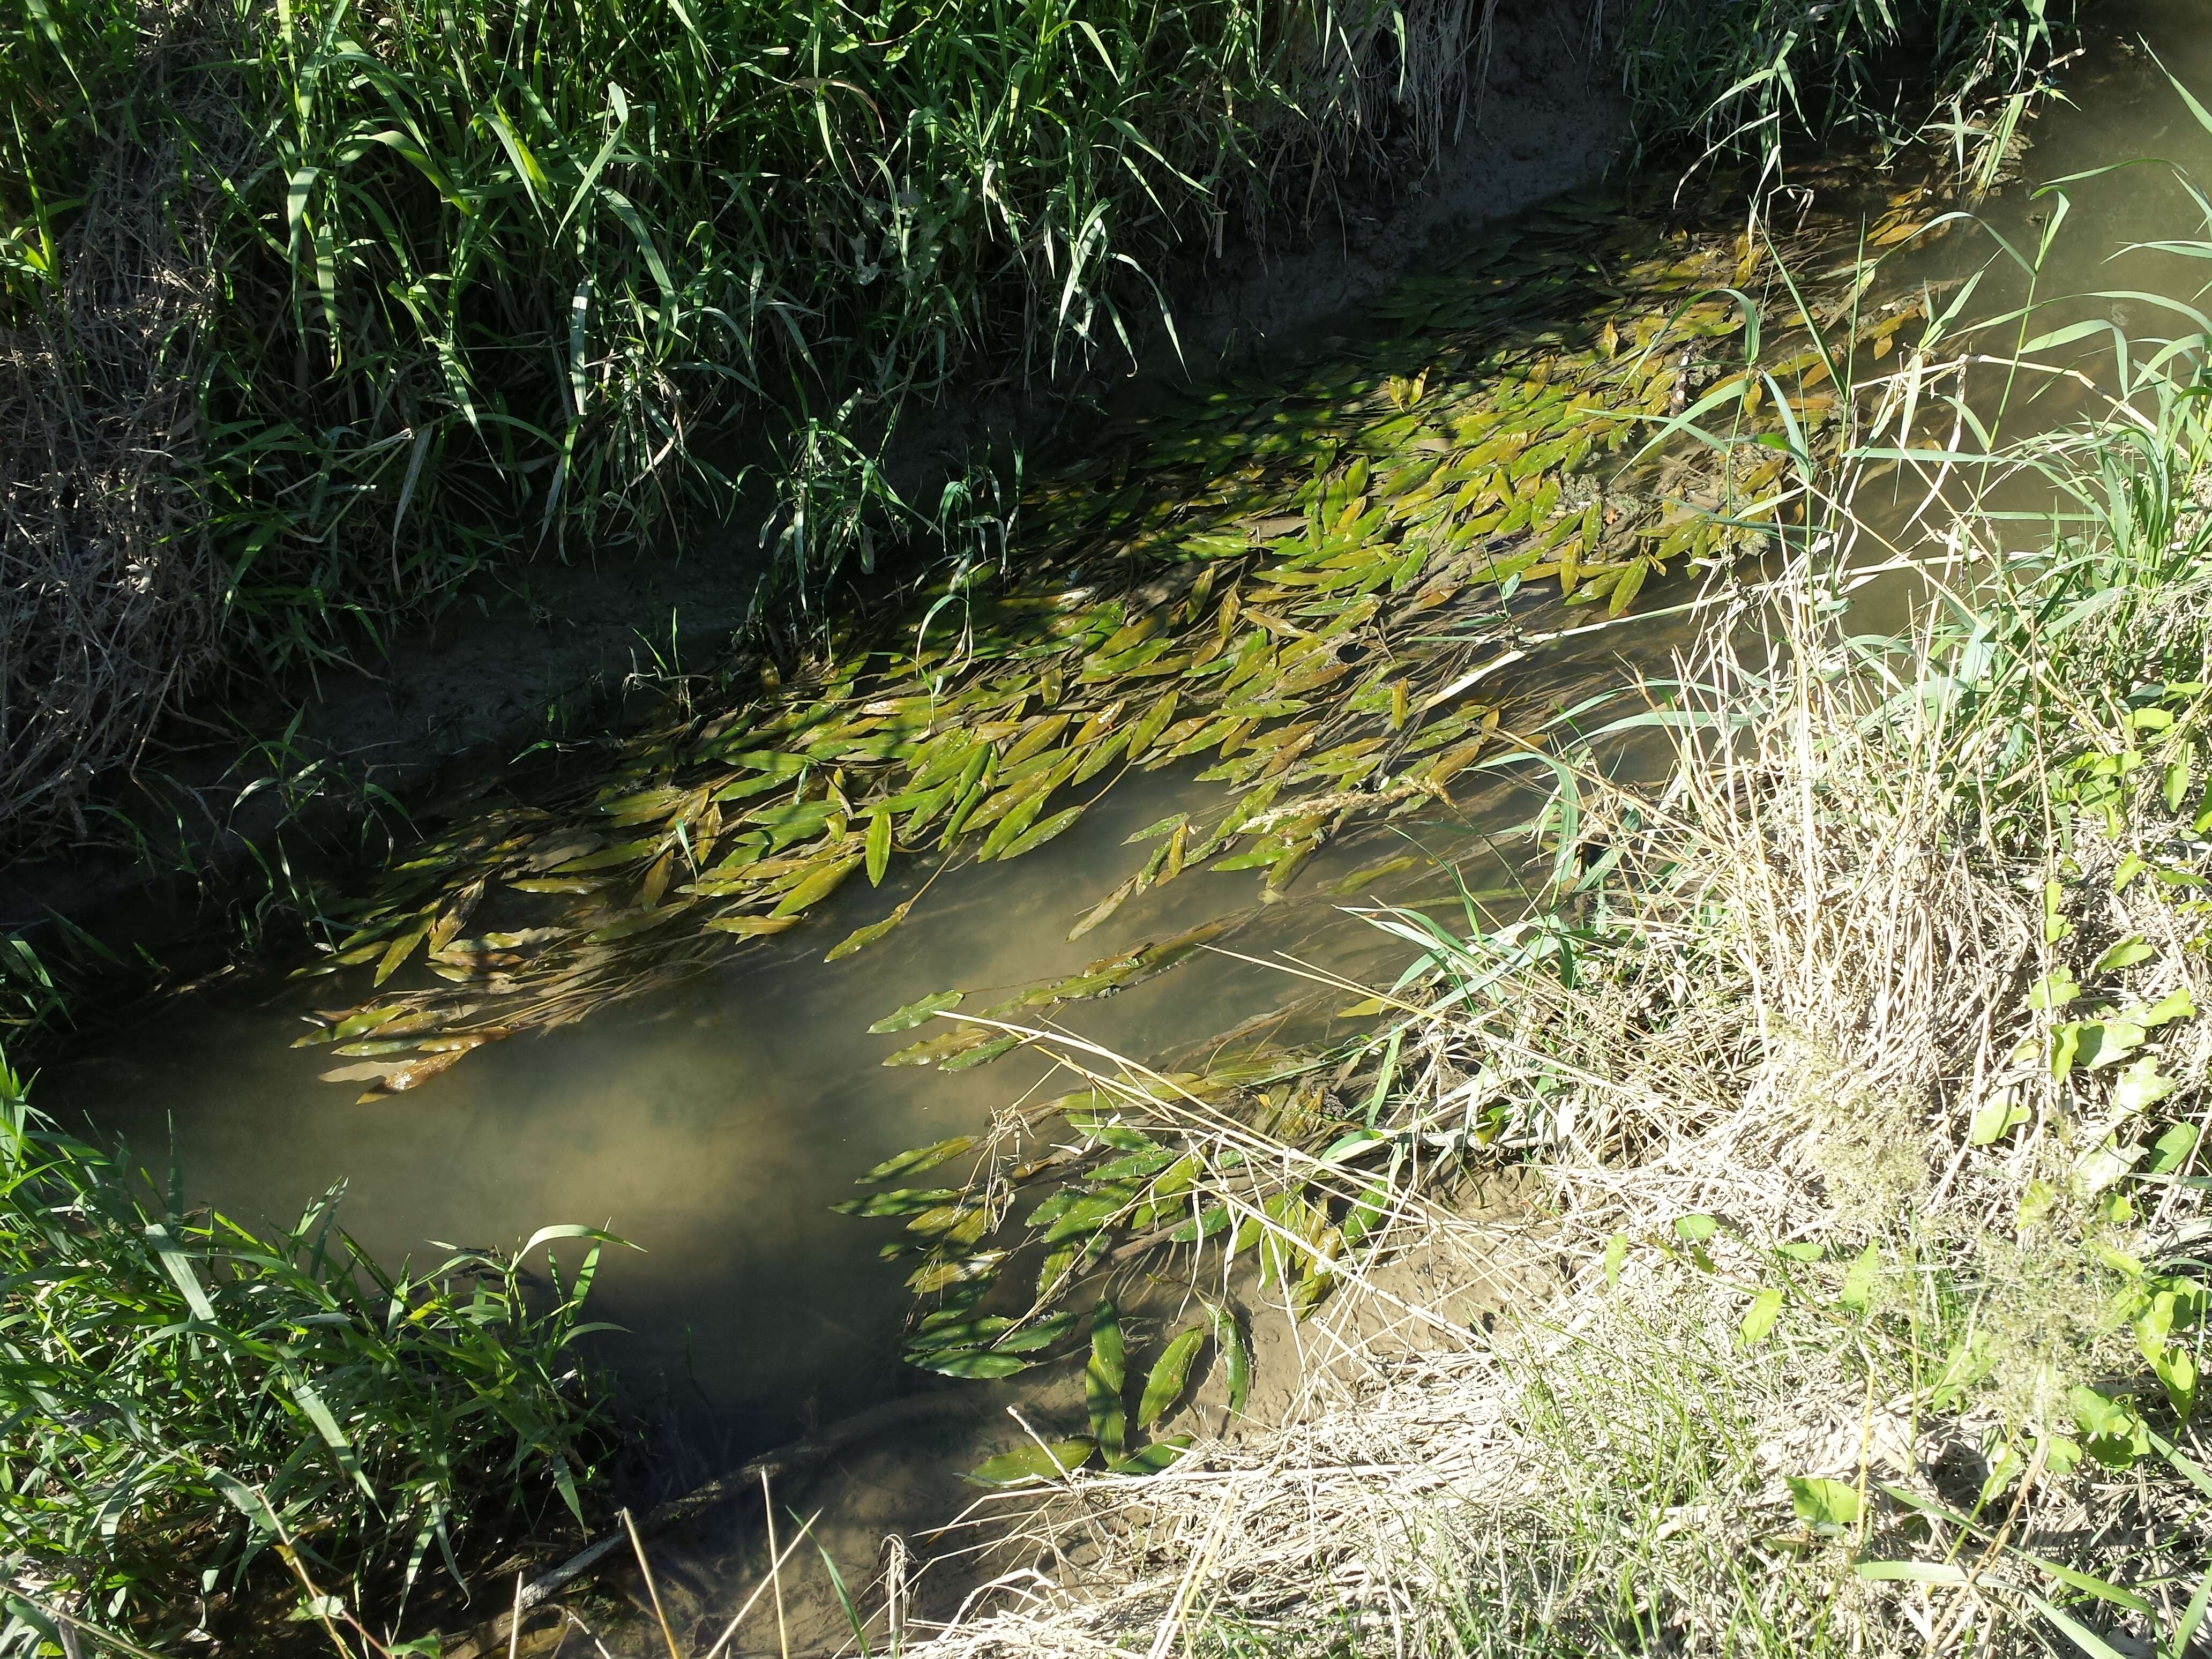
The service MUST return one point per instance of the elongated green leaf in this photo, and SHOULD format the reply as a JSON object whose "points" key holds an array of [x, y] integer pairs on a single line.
{"points": [[920, 1158], [972, 1364], [1170, 1375], [860, 937], [1102, 1379], [903, 1200], [982, 1054], [1038, 834], [1034, 1462], [1043, 1335], [817, 886], [179, 1266], [1912, 1572], [879, 847], [914, 1013], [1160, 1454]]}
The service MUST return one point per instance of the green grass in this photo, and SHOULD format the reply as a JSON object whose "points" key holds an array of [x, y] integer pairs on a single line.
{"points": [[1757, 79], [459, 281], [206, 1426]]}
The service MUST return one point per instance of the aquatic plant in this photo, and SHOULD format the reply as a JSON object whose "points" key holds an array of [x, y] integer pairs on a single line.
{"points": [[1307, 577], [205, 1425]]}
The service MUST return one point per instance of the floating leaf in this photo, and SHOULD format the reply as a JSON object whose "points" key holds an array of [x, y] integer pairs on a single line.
{"points": [[399, 952], [1037, 834], [920, 1158], [753, 927], [1010, 827], [1170, 1375], [860, 937], [637, 921], [816, 887], [930, 1050], [1151, 723], [914, 1013], [629, 852], [936, 1275], [879, 848], [1034, 1462], [982, 1054], [905, 1201]]}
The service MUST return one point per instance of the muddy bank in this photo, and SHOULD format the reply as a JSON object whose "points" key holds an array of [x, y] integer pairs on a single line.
{"points": [[545, 649]]}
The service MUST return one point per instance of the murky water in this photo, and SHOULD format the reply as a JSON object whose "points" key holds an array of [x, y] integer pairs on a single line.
{"points": [[715, 1129]]}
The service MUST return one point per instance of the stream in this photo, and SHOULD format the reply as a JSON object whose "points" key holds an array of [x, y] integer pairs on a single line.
{"points": [[712, 1112]]}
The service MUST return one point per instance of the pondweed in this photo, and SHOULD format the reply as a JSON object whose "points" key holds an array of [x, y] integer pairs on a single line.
{"points": [[307, 316], [203, 1424]]}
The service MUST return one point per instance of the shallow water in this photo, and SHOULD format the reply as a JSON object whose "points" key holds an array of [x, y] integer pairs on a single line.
{"points": [[713, 1128]]}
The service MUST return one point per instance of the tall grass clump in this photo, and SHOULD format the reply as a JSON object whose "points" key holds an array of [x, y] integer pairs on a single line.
{"points": [[205, 1427], [1745, 82], [305, 314]]}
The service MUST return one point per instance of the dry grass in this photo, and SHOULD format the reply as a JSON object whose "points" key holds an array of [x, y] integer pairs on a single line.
{"points": [[1806, 980]]}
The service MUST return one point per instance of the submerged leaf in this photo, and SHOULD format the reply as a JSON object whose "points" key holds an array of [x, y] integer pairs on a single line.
{"points": [[753, 927], [1160, 1454], [1105, 907], [1034, 1462], [860, 937], [1103, 1380], [971, 1363], [1170, 1375], [1236, 1357]]}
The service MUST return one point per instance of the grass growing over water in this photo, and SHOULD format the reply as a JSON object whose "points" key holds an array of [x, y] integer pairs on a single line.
{"points": [[205, 1427]]}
